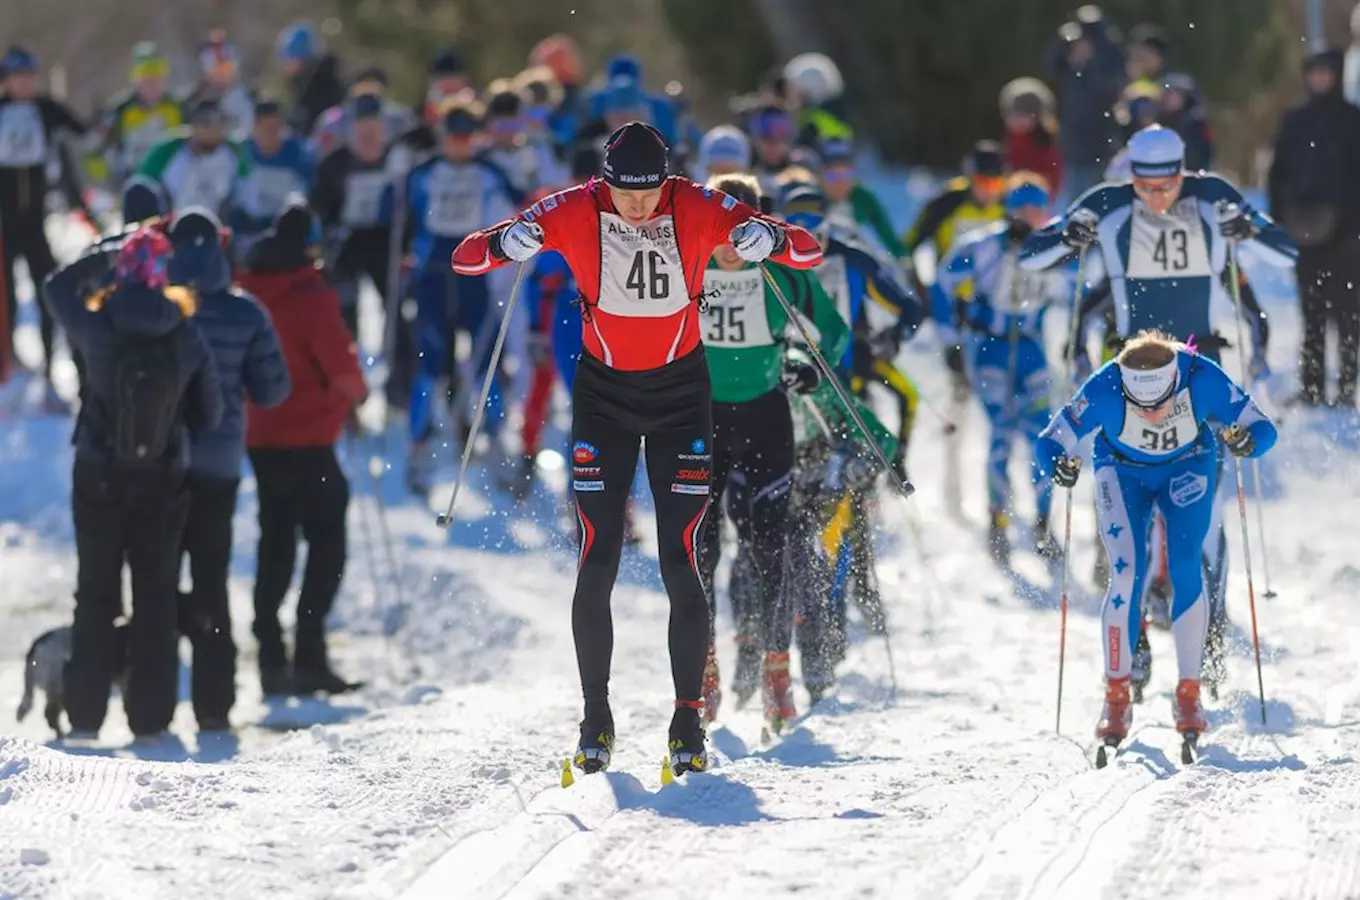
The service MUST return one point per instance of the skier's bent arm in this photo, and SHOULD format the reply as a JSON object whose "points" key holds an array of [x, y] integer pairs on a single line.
{"points": [[1064, 433], [1226, 402]]}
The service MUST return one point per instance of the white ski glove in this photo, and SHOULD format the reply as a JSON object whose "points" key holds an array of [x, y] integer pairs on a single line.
{"points": [[521, 240], [754, 240]]}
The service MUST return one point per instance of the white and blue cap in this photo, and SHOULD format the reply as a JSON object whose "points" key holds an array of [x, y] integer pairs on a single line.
{"points": [[1156, 152], [1150, 388], [725, 144]]}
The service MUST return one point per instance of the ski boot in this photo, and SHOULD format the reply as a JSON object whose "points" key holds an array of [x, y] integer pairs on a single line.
{"points": [[779, 708], [1159, 603], [1141, 669], [1190, 720], [420, 467], [1046, 544], [1215, 667], [747, 679], [712, 689], [596, 745], [1114, 719], [687, 750]]}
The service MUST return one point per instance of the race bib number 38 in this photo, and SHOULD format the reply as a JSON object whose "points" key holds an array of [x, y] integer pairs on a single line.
{"points": [[736, 316], [640, 269], [1170, 246], [1177, 431]]}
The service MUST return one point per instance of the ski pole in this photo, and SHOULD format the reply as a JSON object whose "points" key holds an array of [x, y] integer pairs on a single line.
{"points": [[1236, 287], [1062, 622], [1251, 588], [445, 519], [1069, 372], [902, 485], [375, 488]]}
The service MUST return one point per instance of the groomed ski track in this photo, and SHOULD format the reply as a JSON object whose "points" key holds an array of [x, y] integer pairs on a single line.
{"points": [[442, 782]]}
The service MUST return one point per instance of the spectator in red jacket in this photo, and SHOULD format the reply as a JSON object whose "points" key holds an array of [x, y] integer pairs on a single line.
{"points": [[1031, 130], [292, 450]]}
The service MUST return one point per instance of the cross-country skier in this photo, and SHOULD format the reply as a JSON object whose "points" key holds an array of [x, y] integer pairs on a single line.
{"points": [[853, 204], [449, 197], [281, 167], [201, 167], [142, 116], [745, 337], [1163, 239], [1152, 410], [31, 123], [878, 307], [1003, 337], [638, 241]]}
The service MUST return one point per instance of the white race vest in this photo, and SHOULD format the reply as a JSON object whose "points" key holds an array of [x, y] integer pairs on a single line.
{"points": [[1176, 431], [139, 141], [836, 282], [455, 200], [1169, 246], [275, 185], [737, 315], [640, 269], [23, 142], [194, 180], [363, 198], [1019, 290]]}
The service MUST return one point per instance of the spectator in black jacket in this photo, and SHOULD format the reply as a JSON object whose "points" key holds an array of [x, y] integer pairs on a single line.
{"points": [[1314, 187], [1088, 64], [150, 384], [251, 365], [313, 76]]}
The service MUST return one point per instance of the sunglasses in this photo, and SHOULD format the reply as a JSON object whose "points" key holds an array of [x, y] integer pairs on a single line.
{"points": [[838, 174]]}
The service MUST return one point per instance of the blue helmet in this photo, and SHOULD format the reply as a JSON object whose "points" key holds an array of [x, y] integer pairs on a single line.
{"points": [[298, 42]]}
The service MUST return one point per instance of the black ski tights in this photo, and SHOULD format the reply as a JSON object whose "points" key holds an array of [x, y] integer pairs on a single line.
{"points": [[753, 442], [613, 412]]}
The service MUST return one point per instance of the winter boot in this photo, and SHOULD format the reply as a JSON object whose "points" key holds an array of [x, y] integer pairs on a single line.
{"points": [[1188, 709], [321, 679], [712, 689], [747, 678], [779, 708], [1117, 714], [687, 750], [596, 746], [998, 544], [1141, 672]]}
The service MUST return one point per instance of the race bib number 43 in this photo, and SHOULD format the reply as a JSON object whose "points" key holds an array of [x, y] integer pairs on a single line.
{"points": [[1170, 246]]}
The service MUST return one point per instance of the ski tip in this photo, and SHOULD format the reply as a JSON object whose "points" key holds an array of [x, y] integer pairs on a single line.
{"points": [[568, 779], [667, 773]]}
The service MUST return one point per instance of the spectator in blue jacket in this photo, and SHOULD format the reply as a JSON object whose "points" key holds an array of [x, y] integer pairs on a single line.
{"points": [[250, 365]]}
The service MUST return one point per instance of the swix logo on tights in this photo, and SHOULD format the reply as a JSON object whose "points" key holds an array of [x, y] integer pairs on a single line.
{"points": [[692, 475]]}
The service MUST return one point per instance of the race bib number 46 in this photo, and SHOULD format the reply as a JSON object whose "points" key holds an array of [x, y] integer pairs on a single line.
{"points": [[640, 269]]}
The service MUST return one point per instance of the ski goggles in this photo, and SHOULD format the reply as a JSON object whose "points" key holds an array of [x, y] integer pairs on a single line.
{"points": [[1150, 388]]}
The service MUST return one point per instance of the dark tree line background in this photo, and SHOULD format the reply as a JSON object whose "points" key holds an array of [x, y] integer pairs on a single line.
{"points": [[923, 75]]}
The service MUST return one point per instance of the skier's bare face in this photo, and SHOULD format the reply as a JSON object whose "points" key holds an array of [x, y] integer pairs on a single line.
{"points": [[1157, 414], [635, 207], [368, 138], [727, 259], [837, 182], [1159, 194], [459, 148], [268, 133], [1033, 216], [22, 85], [151, 88], [208, 136]]}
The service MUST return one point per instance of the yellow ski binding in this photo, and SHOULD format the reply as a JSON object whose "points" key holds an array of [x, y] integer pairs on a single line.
{"points": [[568, 779]]}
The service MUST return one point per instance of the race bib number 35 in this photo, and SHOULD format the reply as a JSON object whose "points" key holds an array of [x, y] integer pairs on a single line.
{"points": [[736, 316]]}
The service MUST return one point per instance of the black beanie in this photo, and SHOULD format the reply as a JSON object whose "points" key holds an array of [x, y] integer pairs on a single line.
{"points": [[635, 158]]}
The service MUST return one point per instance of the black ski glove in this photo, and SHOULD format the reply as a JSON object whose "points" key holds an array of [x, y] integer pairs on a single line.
{"points": [[1080, 231], [953, 359], [1235, 223], [1065, 472], [800, 377], [1239, 441]]}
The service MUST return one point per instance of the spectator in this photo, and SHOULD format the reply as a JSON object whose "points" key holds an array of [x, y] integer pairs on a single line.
{"points": [[1351, 71], [1031, 143], [1089, 66], [1181, 109], [150, 383], [559, 53], [249, 364], [292, 451], [1314, 189], [313, 75]]}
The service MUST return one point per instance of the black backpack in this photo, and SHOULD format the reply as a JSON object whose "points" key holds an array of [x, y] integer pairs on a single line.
{"points": [[147, 390]]}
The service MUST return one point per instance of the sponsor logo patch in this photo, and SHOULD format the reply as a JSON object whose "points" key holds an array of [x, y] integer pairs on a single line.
{"points": [[699, 446], [697, 489], [692, 475], [584, 453], [586, 471], [1079, 407], [1116, 641], [587, 486], [1188, 489]]}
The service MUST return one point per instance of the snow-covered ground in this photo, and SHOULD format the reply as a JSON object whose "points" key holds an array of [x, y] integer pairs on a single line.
{"points": [[440, 780]]}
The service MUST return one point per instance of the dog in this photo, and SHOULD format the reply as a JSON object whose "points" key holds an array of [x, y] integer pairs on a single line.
{"points": [[44, 667]]}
